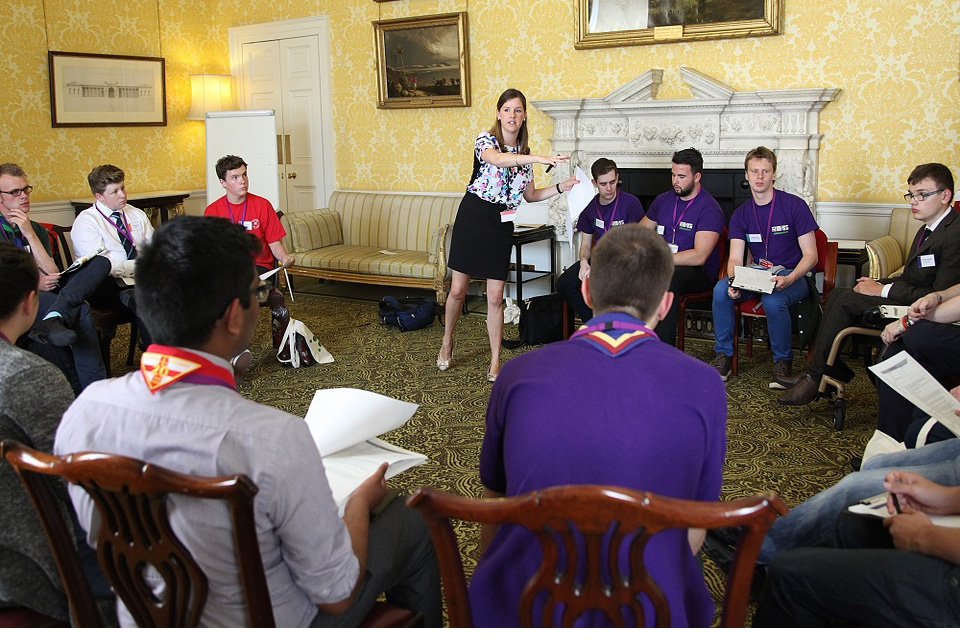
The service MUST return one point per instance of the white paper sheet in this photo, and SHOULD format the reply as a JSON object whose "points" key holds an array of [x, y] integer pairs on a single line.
{"points": [[264, 276], [577, 200], [348, 468], [753, 279], [340, 418], [876, 507], [905, 376]]}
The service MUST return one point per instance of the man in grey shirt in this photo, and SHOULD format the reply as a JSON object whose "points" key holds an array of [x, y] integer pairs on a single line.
{"points": [[197, 292]]}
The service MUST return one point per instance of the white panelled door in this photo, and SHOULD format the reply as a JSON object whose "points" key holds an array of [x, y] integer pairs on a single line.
{"points": [[284, 75]]}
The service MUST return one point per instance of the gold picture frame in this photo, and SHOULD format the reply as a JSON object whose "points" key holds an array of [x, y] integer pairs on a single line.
{"points": [[423, 62], [617, 23]]}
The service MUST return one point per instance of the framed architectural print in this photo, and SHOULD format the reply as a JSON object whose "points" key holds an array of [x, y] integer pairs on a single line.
{"points": [[619, 23], [91, 90], [423, 62]]}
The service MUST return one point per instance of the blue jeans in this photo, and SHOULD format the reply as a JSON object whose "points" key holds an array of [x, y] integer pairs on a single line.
{"points": [[812, 523], [777, 306]]}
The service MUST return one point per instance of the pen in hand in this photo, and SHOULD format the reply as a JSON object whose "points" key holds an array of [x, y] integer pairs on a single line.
{"points": [[549, 166], [896, 503]]}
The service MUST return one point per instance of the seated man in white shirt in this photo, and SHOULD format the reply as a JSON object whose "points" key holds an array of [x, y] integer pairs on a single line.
{"points": [[197, 291], [119, 230]]}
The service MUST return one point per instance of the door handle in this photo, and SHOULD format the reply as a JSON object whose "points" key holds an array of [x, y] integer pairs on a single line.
{"points": [[292, 176]]}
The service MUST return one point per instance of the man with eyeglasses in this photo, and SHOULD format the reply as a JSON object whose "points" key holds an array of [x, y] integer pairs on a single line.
{"points": [[932, 265], [63, 320]]}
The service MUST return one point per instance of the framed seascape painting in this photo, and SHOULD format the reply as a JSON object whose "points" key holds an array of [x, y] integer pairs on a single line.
{"points": [[92, 90], [423, 62], [619, 23]]}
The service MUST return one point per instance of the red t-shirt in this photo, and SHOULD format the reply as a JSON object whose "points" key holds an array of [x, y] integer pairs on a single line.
{"points": [[258, 217]]}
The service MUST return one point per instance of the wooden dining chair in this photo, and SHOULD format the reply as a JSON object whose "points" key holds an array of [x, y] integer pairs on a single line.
{"points": [[131, 498], [602, 517]]}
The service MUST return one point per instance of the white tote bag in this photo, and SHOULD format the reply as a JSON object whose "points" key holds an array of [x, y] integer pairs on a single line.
{"points": [[295, 330]]}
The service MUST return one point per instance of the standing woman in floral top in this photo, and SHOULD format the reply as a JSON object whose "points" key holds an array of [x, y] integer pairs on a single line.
{"points": [[482, 240]]}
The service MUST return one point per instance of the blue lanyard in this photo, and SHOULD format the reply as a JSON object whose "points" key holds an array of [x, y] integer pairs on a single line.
{"points": [[14, 235]]}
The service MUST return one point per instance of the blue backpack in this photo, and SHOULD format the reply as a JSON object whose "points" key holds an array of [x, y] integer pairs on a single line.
{"points": [[408, 314]]}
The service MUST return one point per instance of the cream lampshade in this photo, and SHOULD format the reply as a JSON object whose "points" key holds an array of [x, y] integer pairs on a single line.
{"points": [[210, 92]]}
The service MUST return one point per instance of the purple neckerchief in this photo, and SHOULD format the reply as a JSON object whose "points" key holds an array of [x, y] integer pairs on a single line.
{"points": [[4, 337], [597, 333], [202, 378]]}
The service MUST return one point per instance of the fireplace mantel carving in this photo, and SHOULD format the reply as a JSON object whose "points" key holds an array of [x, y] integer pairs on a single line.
{"points": [[633, 128]]}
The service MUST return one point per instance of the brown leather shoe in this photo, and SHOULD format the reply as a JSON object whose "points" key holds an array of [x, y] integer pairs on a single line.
{"points": [[786, 382], [801, 393]]}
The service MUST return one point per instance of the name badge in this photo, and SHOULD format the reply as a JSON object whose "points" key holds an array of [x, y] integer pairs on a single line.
{"points": [[928, 260], [598, 223], [508, 215], [248, 225], [673, 248], [660, 229], [754, 237]]}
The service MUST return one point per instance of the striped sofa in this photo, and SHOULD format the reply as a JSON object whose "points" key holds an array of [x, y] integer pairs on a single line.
{"points": [[375, 238]]}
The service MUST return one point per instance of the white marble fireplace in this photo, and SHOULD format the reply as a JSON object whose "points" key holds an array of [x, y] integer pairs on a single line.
{"points": [[635, 130]]}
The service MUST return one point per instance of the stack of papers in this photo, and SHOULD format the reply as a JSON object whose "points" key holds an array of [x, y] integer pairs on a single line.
{"points": [[754, 278], [345, 424]]}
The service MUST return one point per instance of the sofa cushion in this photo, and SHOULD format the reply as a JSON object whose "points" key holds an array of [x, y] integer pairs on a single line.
{"points": [[369, 260], [313, 229]]}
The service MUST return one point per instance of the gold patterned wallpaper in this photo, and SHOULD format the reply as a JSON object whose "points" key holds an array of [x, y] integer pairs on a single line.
{"points": [[897, 64]]}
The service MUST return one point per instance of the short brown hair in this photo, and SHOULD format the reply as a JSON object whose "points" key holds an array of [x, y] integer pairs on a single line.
{"points": [[11, 169], [602, 167], [760, 153], [104, 175], [937, 172], [228, 163], [630, 269]]}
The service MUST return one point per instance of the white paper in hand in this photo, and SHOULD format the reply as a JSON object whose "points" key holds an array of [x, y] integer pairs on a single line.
{"points": [[340, 418], [577, 200]]}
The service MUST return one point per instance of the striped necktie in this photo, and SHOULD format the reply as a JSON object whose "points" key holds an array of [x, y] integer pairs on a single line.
{"points": [[124, 238]]}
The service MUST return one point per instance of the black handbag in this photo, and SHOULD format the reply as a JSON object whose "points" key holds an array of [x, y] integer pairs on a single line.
{"points": [[541, 321]]}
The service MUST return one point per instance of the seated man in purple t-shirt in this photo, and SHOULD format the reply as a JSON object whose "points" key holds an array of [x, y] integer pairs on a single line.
{"points": [[613, 406], [690, 220], [608, 209], [778, 228]]}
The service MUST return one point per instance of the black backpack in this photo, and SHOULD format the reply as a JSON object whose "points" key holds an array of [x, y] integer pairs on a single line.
{"points": [[409, 314]]}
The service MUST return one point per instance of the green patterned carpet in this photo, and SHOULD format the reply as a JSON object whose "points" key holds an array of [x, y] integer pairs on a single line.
{"points": [[793, 451]]}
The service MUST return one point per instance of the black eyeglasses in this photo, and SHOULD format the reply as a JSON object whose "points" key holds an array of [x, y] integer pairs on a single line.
{"points": [[17, 192], [263, 292], [920, 196]]}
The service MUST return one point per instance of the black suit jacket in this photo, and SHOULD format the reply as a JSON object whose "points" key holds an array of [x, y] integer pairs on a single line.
{"points": [[916, 280]]}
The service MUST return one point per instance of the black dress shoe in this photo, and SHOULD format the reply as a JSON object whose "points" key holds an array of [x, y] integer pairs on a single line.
{"points": [[855, 463], [53, 331]]}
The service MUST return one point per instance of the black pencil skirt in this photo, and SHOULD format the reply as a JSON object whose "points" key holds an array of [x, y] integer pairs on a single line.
{"points": [[481, 244]]}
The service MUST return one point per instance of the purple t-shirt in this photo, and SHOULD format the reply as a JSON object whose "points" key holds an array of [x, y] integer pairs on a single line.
{"points": [[774, 237], [598, 218], [652, 418], [682, 220]]}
